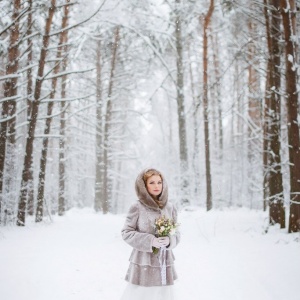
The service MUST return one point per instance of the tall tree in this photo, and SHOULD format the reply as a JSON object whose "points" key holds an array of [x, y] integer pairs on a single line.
{"points": [[272, 118], [107, 126], [254, 116], [207, 20], [62, 133], [196, 104], [99, 130], [8, 113], [180, 104], [43, 160], [217, 91], [266, 106], [288, 11], [30, 206], [33, 118]]}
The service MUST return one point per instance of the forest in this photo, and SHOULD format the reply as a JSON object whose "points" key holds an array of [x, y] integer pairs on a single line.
{"points": [[94, 91]]}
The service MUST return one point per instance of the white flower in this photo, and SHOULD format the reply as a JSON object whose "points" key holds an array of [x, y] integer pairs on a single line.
{"points": [[172, 231]]}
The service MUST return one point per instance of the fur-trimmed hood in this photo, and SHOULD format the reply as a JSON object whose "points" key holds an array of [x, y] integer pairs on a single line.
{"points": [[143, 194]]}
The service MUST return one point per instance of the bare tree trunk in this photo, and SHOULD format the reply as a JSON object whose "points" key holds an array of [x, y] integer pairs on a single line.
{"points": [[33, 119], [30, 206], [212, 96], [207, 20], [196, 105], [180, 109], [266, 143], [254, 117], [107, 126], [62, 168], [43, 161], [238, 132], [99, 130], [272, 118], [7, 129], [217, 86], [62, 133], [10, 84], [232, 131], [288, 9]]}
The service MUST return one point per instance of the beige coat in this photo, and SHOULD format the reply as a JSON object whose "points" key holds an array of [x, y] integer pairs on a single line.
{"points": [[138, 232]]}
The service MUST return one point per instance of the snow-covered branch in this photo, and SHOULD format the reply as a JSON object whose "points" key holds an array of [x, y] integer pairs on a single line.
{"points": [[80, 23]]}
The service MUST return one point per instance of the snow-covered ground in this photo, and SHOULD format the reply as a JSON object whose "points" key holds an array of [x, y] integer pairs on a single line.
{"points": [[223, 255]]}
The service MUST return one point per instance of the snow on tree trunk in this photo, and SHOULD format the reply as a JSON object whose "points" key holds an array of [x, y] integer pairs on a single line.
{"points": [[30, 189], [207, 20], [8, 114], [107, 127], [196, 104], [288, 11], [266, 144], [254, 116], [33, 119], [217, 93], [272, 118], [99, 188], [183, 154], [44, 153], [62, 139]]}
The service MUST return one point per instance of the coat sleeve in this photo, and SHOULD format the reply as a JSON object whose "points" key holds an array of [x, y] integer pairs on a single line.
{"points": [[175, 238], [140, 241]]}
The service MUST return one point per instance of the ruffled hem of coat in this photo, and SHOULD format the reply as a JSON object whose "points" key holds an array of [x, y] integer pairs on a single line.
{"points": [[150, 259], [149, 276]]}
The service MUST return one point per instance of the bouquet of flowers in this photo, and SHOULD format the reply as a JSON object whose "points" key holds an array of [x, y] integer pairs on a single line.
{"points": [[164, 227]]}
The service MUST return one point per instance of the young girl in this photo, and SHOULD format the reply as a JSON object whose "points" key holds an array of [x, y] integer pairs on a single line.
{"points": [[150, 275]]}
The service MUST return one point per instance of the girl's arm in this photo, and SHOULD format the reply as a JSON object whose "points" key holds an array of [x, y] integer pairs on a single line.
{"points": [[140, 241]]}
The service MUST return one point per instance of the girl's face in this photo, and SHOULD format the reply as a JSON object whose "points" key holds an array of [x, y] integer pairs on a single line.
{"points": [[154, 185]]}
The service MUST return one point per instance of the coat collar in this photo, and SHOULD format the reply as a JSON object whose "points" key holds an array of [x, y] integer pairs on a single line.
{"points": [[143, 195]]}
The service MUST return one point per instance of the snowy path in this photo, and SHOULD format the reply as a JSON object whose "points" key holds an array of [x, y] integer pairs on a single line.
{"points": [[222, 256]]}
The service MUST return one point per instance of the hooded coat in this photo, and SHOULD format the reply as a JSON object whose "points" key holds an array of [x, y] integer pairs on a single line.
{"points": [[138, 232]]}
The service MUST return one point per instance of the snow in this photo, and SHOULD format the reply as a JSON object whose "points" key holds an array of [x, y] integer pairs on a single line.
{"points": [[223, 255]]}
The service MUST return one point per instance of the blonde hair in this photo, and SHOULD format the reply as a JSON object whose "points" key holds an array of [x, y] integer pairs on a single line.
{"points": [[150, 173]]}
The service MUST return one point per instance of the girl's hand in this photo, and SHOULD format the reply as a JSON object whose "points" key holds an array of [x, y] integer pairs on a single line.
{"points": [[164, 241], [156, 243]]}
